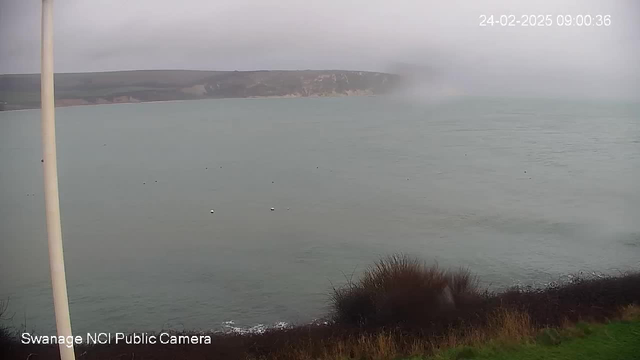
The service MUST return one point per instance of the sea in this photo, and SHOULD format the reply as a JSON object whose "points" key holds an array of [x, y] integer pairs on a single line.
{"points": [[243, 214]]}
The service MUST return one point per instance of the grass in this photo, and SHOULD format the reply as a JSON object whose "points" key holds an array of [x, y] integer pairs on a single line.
{"points": [[505, 327], [101, 92], [619, 340], [510, 335], [401, 307]]}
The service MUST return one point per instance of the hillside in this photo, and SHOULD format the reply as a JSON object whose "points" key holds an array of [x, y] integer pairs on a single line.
{"points": [[22, 91]]}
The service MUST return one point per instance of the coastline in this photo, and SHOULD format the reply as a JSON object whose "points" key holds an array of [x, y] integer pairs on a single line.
{"points": [[21, 91], [297, 96], [586, 310]]}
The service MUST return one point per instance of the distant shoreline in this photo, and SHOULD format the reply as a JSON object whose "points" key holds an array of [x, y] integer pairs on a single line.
{"points": [[185, 100], [22, 91]]}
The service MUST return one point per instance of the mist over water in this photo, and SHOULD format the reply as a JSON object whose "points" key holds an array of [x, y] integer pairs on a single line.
{"points": [[518, 190]]}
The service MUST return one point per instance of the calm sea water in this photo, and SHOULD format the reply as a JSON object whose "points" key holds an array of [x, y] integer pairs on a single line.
{"points": [[516, 190]]}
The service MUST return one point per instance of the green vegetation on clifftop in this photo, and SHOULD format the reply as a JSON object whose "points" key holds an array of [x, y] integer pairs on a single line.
{"points": [[22, 91]]}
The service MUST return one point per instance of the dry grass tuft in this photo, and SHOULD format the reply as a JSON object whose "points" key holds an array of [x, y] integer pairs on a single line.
{"points": [[506, 327], [511, 326], [630, 312]]}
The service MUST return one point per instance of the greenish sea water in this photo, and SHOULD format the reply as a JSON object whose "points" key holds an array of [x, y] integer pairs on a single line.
{"points": [[514, 189]]}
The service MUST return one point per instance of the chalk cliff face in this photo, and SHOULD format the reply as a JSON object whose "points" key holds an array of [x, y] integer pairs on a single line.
{"points": [[22, 91], [299, 83]]}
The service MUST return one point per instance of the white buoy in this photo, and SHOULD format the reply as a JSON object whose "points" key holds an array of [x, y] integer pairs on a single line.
{"points": [[212, 211], [273, 209]]}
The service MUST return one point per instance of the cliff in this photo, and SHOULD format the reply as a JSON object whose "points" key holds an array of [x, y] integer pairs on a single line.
{"points": [[22, 91]]}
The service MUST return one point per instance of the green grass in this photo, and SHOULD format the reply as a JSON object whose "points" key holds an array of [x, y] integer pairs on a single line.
{"points": [[105, 92], [614, 341]]}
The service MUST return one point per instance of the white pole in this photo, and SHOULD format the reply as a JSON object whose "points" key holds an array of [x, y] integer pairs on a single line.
{"points": [[51, 199]]}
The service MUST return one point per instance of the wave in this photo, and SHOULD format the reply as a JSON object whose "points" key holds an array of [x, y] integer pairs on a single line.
{"points": [[229, 327]]}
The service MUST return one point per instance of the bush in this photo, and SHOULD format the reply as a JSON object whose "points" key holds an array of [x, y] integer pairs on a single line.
{"points": [[593, 297], [7, 336], [402, 291]]}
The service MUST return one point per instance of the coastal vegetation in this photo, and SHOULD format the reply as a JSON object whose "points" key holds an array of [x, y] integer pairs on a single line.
{"points": [[403, 308], [22, 91]]}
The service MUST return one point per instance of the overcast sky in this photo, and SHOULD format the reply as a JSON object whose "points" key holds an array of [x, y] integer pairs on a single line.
{"points": [[100, 35]]}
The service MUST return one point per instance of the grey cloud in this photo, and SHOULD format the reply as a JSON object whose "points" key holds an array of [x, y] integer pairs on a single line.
{"points": [[377, 35]]}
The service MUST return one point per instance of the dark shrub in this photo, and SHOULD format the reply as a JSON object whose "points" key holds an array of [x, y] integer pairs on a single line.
{"points": [[402, 291], [594, 297], [7, 336]]}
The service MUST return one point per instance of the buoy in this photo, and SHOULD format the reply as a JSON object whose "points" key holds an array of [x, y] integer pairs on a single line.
{"points": [[287, 208], [273, 209], [143, 183], [212, 211]]}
